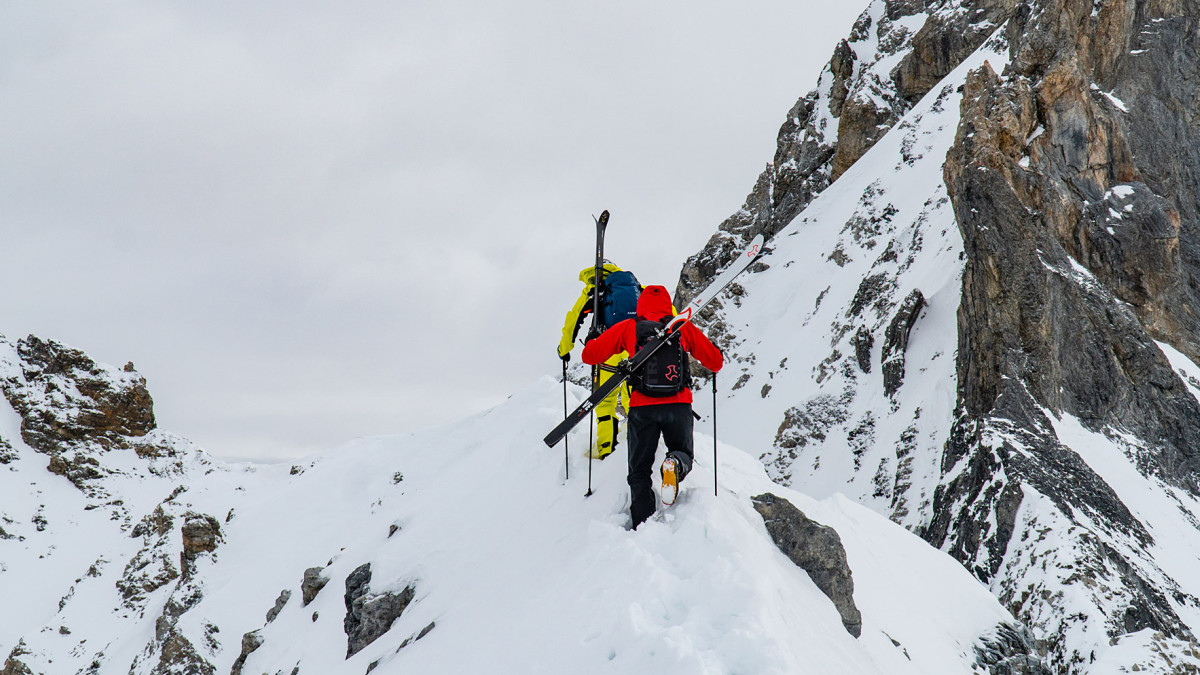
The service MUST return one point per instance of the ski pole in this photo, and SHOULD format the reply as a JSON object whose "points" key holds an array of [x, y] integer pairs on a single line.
{"points": [[566, 453], [591, 438], [714, 434]]}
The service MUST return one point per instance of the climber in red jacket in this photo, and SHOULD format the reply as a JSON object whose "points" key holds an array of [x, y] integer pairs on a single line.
{"points": [[661, 402]]}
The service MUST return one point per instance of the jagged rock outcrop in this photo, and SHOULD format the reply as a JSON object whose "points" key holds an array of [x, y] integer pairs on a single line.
{"points": [[1073, 183], [151, 567], [13, 664], [201, 535], [74, 410], [369, 616], [816, 549], [67, 397], [895, 340], [1010, 651], [173, 650]]}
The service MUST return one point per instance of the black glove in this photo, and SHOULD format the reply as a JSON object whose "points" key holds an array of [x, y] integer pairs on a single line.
{"points": [[565, 357]]}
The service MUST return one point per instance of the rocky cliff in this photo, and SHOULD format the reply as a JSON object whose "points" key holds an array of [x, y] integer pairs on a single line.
{"points": [[1030, 170]]}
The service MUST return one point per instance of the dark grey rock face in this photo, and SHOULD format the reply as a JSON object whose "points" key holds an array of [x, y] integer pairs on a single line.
{"points": [[816, 549], [1010, 651], [370, 616], [944, 41], [895, 340]]}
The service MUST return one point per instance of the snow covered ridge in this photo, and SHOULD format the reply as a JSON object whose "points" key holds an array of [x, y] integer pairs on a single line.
{"points": [[390, 554], [1014, 258]]}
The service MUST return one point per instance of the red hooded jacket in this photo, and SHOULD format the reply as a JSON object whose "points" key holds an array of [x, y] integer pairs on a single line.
{"points": [[654, 304]]}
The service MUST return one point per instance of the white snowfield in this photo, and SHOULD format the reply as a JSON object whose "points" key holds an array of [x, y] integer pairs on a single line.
{"points": [[516, 569]]}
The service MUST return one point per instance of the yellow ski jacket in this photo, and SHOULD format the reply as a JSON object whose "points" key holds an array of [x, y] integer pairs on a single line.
{"points": [[582, 308]]}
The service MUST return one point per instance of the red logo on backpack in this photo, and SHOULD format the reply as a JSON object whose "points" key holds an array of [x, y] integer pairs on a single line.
{"points": [[672, 373]]}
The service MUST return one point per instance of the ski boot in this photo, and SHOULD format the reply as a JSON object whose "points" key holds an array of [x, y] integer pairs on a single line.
{"points": [[670, 482]]}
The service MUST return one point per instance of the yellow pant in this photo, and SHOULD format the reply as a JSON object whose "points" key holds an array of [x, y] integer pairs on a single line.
{"points": [[606, 417]]}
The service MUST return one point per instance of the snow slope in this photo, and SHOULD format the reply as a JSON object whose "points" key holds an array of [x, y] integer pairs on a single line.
{"points": [[515, 569]]}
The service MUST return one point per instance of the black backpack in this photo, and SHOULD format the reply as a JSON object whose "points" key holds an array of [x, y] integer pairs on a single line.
{"points": [[666, 372]]}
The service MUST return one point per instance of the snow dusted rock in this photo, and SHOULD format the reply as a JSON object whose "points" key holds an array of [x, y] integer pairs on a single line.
{"points": [[816, 549], [7, 454], [75, 410], [250, 642], [369, 616], [282, 600], [151, 567], [201, 535], [1011, 651], [13, 664], [895, 340], [65, 397], [312, 584]]}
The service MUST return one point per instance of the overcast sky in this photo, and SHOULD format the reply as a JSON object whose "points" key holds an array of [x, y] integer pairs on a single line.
{"points": [[307, 222]]}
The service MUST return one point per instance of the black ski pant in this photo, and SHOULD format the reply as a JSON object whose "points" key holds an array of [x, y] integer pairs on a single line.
{"points": [[672, 421]]}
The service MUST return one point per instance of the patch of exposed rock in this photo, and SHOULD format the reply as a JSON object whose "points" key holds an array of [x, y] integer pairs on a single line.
{"points": [[895, 341], [7, 454], [368, 616], [250, 643], [312, 584], [201, 535], [815, 548], [1009, 651], [13, 664], [173, 651], [151, 567]]}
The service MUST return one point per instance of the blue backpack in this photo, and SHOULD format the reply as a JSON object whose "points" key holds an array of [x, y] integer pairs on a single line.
{"points": [[619, 293]]}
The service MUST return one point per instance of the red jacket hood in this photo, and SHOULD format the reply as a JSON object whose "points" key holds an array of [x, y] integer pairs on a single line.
{"points": [[654, 303]]}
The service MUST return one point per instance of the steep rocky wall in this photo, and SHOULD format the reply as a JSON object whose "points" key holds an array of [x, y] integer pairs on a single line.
{"points": [[1074, 184]]}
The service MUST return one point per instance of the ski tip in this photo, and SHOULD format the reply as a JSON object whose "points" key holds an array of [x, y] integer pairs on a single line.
{"points": [[603, 219]]}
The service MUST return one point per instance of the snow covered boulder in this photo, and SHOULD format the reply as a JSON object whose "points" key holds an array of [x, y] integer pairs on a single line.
{"points": [[816, 549]]}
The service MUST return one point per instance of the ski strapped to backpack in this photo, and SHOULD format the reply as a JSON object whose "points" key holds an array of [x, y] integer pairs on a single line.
{"points": [[630, 366]]}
